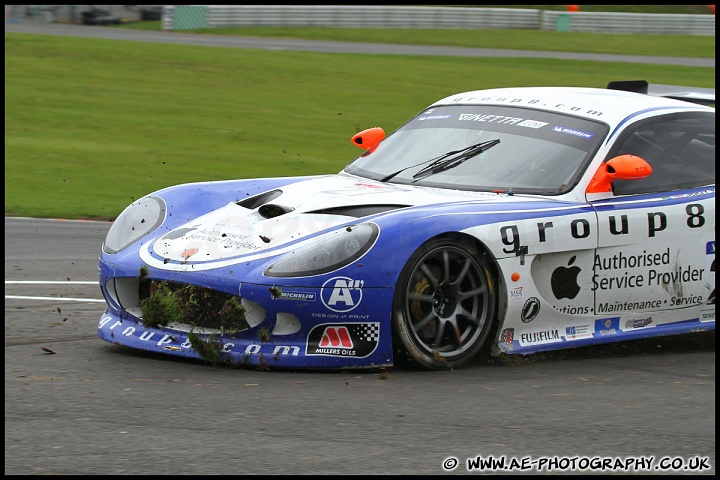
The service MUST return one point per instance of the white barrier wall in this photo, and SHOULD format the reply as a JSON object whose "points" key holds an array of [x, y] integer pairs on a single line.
{"points": [[184, 17]]}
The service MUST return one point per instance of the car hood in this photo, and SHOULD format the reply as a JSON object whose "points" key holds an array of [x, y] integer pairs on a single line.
{"points": [[295, 211]]}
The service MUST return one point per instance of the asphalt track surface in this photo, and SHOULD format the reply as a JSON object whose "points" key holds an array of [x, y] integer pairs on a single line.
{"points": [[75, 404], [327, 46]]}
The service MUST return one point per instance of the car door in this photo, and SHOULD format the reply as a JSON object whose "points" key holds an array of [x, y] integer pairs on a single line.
{"points": [[656, 245]]}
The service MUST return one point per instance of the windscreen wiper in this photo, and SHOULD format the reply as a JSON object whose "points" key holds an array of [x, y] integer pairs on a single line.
{"points": [[446, 159], [453, 159]]}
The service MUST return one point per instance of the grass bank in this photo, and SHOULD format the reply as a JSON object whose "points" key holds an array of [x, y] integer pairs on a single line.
{"points": [[92, 124]]}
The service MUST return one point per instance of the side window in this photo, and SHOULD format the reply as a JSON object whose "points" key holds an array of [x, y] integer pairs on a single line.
{"points": [[680, 148]]}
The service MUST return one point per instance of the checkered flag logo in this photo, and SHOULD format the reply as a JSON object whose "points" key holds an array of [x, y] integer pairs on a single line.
{"points": [[369, 332]]}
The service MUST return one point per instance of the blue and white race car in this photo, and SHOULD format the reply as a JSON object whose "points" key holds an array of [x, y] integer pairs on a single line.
{"points": [[515, 220]]}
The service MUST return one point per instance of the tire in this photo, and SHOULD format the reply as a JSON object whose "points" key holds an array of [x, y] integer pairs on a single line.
{"points": [[444, 306]]}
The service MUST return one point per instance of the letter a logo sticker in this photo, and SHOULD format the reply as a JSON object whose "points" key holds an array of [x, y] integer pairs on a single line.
{"points": [[341, 294]]}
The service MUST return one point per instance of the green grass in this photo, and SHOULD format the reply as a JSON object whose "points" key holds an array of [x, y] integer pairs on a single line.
{"points": [[92, 124]]}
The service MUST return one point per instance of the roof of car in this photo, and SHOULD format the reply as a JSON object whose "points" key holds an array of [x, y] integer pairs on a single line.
{"points": [[702, 96], [610, 105]]}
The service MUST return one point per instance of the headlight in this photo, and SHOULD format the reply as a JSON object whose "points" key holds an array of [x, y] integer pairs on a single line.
{"points": [[135, 222], [327, 252]]}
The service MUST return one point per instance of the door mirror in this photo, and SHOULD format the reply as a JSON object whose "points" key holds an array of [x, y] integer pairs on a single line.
{"points": [[622, 167], [369, 139]]}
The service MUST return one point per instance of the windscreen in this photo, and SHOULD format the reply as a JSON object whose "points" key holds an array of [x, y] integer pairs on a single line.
{"points": [[538, 152]]}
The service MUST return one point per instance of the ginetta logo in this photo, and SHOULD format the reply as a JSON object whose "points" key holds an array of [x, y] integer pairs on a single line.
{"points": [[530, 310], [342, 294]]}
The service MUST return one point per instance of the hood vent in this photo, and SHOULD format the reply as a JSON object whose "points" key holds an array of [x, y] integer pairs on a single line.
{"points": [[359, 211], [254, 202], [272, 210]]}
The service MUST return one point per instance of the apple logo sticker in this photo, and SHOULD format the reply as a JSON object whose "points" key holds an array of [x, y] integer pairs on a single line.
{"points": [[564, 281]]}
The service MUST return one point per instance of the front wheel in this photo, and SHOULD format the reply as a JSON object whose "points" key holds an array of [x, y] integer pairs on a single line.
{"points": [[444, 305]]}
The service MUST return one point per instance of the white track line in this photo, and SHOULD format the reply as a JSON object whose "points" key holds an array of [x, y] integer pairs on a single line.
{"points": [[61, 299], [39, 282], [50, 282]]}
